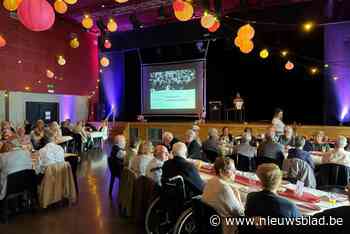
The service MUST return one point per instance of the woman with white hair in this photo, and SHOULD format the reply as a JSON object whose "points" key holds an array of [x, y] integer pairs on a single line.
{"points": [[145, 155], [339, 155]]}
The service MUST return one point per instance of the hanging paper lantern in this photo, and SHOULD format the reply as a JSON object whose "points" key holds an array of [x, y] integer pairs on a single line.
{"points": [[11, 5], [87, 22], [70, 2], [238, 41], [107, 44], [61, 60], [60, 6], [215, 27], [289, 66], [247, 46], [36, 15], [2, 41], [49, 73], [121, 1], [74, 43], [112, 26], [246, 32], [178, 5], [104, 61], [186, 14], [207, 20], [264, 53]]}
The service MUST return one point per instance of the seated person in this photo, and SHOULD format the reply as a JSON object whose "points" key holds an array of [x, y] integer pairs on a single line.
{"points": [[193, 148], [154, 167], [288, 137], [140, 162], [6, 125], [226, 136], [266, 202], [298, 152], [131, 152], [221, 195], [55, 129], [269, 148], [66, 129], [12, 161], [212, 143], [339, 155], [118, 149], [245, 147], [51, 153], [254, 140], [37, 134], [178, 165], [23, 139], [169, 140], [197, 129], [319, 143]]}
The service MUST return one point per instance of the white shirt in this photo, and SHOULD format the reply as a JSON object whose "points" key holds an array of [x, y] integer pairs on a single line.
{"points": [[50, 154], [339, 156], [140, 163], [278, 124], [154, 170]]}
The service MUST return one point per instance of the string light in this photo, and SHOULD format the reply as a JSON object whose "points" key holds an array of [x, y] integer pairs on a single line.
{"points": [[314, 70], [308, 26], [284, 53]]}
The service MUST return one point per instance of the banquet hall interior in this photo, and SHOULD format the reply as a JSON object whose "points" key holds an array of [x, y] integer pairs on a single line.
{"points": [[174, 116]]}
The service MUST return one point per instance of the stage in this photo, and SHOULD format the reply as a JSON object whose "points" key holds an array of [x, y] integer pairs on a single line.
{"points": [[152, 130]]}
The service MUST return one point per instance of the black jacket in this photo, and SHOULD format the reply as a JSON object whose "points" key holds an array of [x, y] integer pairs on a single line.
{"points": [[172, 142], [194, 150], [179, 166]]}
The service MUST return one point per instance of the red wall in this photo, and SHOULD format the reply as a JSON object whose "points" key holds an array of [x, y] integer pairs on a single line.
{"points": [[38, 51]]}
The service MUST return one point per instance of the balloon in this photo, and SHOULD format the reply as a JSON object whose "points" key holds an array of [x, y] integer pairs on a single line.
{"points": [[121, 1], [238, 41], [215, 27], [112, 26], [49, 73], [104, 61], [36, 15], [246, 32], [264, 54], [74, 43], [178, 5], [107, 44], [87, 22], [207, 21], [60, 6], [289, 66], [70, 2], [61, 60], [247, 46], [11, 5], [186, 14]]}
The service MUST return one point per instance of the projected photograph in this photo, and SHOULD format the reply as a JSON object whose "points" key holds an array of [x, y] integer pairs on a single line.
{"points": [[173, 89]]}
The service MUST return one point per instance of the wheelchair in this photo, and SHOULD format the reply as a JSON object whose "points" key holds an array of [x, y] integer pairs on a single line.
{"points": [[171, 212]]}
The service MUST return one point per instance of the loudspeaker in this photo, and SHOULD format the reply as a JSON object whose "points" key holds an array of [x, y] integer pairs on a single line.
{"points": [[215, 110]]}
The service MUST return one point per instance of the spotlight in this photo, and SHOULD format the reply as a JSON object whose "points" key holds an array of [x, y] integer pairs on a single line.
{"points": [[308, 26]]}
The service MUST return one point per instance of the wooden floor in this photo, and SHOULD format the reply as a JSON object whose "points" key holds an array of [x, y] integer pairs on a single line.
{"points": [[95, 213]]}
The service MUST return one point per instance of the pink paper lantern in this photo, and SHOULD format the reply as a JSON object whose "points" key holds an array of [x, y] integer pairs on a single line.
{"points": [[36, 15]]}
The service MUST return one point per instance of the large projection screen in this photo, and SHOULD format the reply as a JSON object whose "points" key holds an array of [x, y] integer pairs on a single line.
{"points": [[173, 88]]}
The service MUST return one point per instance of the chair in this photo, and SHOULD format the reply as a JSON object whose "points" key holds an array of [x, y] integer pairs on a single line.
{"points": [[332, 176], [57, 185], [298, 169], [22, 184], [245, 163], [74, 161], [126, 192], [201, 214], [211, 155], [115, 166], [278, 161]]}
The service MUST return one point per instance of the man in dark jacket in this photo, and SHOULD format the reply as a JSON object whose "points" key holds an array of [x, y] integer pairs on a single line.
{"points": [[180, 166]]}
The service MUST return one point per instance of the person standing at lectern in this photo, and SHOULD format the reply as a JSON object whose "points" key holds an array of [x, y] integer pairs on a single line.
{"points": [[277, 122], [238, 107]]}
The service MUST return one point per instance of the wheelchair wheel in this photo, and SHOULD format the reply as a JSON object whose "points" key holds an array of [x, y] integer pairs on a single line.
{"points": [[157, 219], [185, 223]]}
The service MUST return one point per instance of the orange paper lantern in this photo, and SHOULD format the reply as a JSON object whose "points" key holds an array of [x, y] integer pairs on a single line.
{"points": [[247, 46], [186, 14], [60, 6], [246, 32], [2, 41]]}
